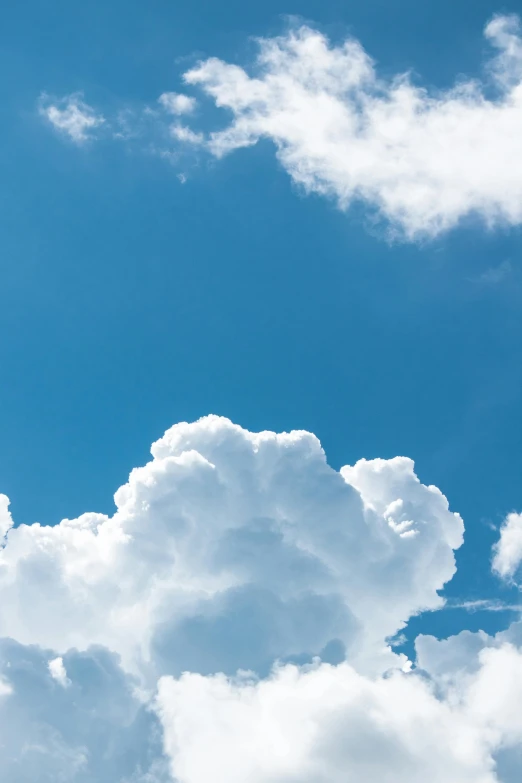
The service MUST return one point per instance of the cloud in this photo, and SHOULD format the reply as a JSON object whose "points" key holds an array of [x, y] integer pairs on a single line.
{"points": [[484, 605], [331, 724], [454, 663], [6, 521], [422, 159], [230, 621], [507, 553], [71, 116], [177, 103], [98, 728], [57, 671], [232, 550], [186, 135]]}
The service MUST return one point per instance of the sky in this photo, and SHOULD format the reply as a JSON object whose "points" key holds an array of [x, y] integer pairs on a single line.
{"points": [[293, 216]]}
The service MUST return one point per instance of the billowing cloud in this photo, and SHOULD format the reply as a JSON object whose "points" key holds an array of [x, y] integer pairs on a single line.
{"points": [[230, 550], [507, 555], [230, 621], [422, 159], [71, 116], [329, 724], [456, 662]]}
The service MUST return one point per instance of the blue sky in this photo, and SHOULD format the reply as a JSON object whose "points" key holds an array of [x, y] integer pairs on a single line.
{"points": [[133, 300]]}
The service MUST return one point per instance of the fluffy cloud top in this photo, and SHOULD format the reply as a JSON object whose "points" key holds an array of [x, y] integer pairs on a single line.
{"points": [[508, 551], [329, 724], [421, 159], [71, 116], [232, 551]]}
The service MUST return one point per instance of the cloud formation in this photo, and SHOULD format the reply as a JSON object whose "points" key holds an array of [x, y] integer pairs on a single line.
{"points": [[330, 724], [230, 550], [422, 159], [508, 550], [240, 600], [71, 116]]}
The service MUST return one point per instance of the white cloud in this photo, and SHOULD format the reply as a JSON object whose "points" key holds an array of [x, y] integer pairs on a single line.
{"points": [[458, 662], [177, 103], [6, 521], [232, 549], [331, 724], [507, 553], [57, 671], [186, 135], [485, 605], [422, 159], [72, 116]]}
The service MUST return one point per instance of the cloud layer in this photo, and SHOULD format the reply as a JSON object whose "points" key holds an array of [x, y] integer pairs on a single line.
{"points": [[231, 553]]}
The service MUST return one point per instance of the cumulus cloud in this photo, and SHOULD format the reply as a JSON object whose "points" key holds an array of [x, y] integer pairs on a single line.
{"points": [[507, 555], [230, 550], [331, 724], [447, 661], [71, 116], [239, 600], [456, 662], [422, 159]]}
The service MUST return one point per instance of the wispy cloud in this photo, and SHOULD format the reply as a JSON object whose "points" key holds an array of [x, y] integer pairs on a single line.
{"points": [[185, 134], [484, 605], [495, 274], [71, 116]]}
